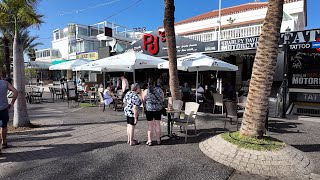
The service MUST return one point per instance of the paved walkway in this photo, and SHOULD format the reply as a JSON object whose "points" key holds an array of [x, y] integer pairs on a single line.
{"points": [[87, 143]]}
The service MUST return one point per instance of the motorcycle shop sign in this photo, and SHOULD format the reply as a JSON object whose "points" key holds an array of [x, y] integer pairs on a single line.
{"points": [[240, 44]]}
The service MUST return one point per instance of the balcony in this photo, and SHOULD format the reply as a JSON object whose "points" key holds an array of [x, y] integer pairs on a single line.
{"points": [[47, 54], [227, 34], [118, 32]]}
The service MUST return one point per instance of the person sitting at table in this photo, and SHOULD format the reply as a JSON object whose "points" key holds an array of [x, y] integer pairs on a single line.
{"points": [[110, 97], [153, 98], [186, 92], [200, 91]]}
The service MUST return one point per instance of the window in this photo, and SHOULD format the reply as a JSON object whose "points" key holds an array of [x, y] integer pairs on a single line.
{"points": [[56, 35], [82, 31]]}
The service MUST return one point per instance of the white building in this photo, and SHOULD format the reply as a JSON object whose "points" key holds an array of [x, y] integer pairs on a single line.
{"points": [[77, 39], [240, 21]]}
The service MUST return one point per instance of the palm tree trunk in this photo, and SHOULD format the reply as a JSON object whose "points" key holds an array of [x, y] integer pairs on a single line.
{"points": [[20, 118], [172, 52], [253, 124], [7, 61]]}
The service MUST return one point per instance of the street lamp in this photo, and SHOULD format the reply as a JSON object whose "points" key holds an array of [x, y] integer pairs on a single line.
{"points": [[285, 72], [219, 36]]}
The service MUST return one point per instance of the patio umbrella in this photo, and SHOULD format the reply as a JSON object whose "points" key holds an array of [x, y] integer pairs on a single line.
{"points": [[69, 64], [200, 62], [127, 62]]}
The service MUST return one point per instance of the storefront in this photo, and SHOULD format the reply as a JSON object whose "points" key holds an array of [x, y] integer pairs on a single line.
{"points": [[304, 73]]}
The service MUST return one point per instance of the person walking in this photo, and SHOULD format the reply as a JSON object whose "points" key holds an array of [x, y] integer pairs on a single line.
{"points": [[132, 103], [4, 109], [153, 98]]}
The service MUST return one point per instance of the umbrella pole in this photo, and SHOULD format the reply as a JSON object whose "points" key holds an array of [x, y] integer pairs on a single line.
{"points": [[197, 86], [134, 76], [104, 79]]}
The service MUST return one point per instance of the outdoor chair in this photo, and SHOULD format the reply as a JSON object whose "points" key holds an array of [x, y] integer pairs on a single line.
{"points": [[232, 113], [217, 101], [120, 97], [36, 95], [191, 109], [101, 101], [177, 105], [58, 92]]}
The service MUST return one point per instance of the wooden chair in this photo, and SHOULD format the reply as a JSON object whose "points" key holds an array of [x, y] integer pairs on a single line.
{"points": [[190, 114], [218, 101]]}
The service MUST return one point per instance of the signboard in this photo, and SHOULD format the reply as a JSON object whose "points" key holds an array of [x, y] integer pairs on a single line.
{"points": [[88, 55], [304, 69], [300, 40], [240, 43], [140, 29], [155, 44], [72, 90], [307, 97]]}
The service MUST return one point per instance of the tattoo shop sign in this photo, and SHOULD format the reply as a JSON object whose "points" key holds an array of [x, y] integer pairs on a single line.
{"points": [[308, 97]]}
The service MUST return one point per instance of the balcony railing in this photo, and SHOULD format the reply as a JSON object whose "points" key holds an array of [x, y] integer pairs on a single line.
{"points": [[118, 31], [227, 34]]}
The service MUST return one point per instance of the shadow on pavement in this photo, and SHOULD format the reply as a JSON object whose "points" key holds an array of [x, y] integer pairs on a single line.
{"points": [[308, 147], [56, 151]]}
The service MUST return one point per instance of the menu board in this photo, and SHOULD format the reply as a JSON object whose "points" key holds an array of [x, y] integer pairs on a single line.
{"points": [[72, 91]]}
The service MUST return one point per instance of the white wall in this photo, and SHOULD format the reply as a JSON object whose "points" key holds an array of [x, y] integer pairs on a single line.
{"points": [[63, 46], [290, 8]]}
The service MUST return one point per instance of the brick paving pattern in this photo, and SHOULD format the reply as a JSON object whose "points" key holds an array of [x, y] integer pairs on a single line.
{"points": [[288, 163]]}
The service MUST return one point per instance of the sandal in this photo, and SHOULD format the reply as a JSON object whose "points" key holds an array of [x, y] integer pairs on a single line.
{"points": [[149, 143], [135, 143]]}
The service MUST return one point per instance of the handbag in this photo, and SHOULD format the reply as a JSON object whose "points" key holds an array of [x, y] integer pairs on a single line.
{"points": [[163, 110]]}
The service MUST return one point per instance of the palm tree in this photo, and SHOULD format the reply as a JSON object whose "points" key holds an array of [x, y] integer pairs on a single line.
{"points": [[5, 29], [172, 52], [24, 15], [29, 44], [253, 124]]}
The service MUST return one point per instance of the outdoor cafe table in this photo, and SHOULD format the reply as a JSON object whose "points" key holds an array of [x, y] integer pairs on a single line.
{"points": [[169, 112]]}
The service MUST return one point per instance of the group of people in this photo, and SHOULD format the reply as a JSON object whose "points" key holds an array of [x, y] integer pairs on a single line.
{"points": [[5, 106], [152, 99]]}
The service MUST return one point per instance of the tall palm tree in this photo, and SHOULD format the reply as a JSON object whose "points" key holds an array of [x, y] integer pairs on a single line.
{"points": [[5, 29], [24, 15], [253, 124], [172, 51], [28, 41]]}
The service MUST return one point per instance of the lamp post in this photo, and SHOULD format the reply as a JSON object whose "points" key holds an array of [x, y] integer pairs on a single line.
{"points": [[285, 72], [219, 35]]}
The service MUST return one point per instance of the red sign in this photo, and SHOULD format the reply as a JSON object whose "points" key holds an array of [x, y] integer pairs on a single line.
{"points": [[318, 49], [151, 43]]}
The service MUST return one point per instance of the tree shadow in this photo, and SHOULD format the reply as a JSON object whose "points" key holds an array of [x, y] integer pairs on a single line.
{"points": [[283, 127], [308, 147], [55, 151], [29, 138], [40, 132]]}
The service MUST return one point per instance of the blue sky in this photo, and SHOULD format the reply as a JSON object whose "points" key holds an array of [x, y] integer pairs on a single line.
{"points": [[146, 13]]}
